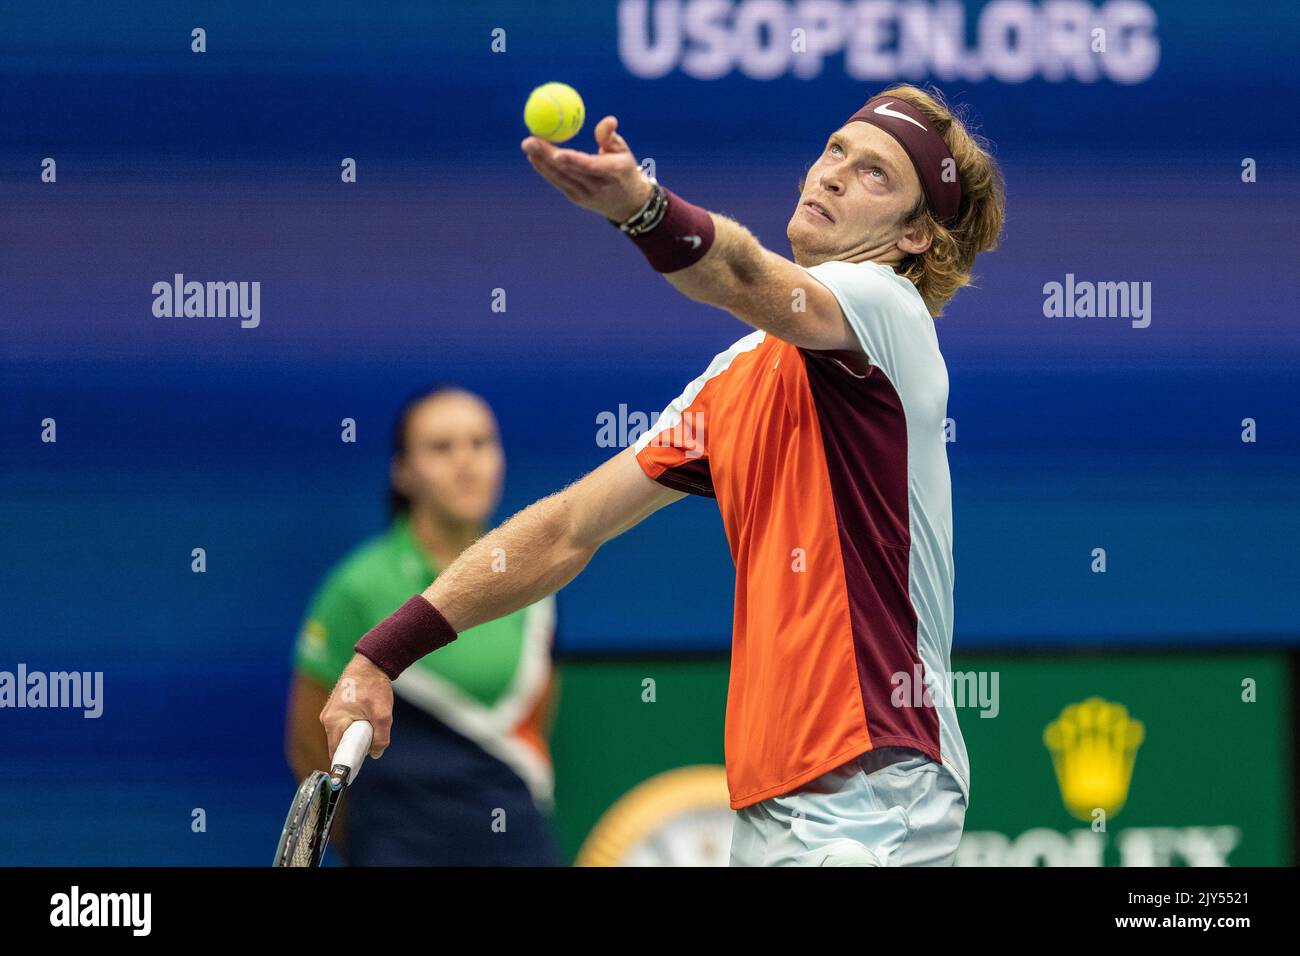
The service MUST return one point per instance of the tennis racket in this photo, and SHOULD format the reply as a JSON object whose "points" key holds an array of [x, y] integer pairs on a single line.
{"points": [[307, 828]]}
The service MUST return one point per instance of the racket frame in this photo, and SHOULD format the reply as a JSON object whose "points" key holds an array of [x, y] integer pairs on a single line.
{"points": [[295, 830]]}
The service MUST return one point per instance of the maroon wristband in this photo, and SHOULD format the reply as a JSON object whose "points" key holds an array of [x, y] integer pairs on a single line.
{"points": [[399, 640], [682, 237]]}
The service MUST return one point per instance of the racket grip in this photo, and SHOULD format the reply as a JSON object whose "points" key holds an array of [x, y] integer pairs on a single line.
{"points": [[353, 749]]}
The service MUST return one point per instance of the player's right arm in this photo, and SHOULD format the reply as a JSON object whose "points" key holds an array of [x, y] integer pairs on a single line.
{"points": [[543, 547], [532, 555]]}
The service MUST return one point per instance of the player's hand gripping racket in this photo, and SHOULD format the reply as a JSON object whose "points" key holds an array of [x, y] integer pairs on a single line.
{"points": [[307, 828]]}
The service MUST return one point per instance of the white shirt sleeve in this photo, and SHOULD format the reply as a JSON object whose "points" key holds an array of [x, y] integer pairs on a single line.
{"points": [[885, 312]]}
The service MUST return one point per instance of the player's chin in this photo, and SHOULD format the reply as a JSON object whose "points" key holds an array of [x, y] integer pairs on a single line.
{"points": [[805, 231]]}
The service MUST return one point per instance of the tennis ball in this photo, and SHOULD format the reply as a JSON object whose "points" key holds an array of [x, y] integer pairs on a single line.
{"points": [[554, 112]]}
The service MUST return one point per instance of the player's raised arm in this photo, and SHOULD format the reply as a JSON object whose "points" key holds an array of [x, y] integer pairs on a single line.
{"points": [[534, 554], [713, 259], [706, 256], [765, 290]]}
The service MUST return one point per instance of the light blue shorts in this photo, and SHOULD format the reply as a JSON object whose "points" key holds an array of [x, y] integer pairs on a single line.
{"points": [[889, 807]]}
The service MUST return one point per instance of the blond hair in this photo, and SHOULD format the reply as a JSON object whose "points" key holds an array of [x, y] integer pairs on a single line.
{"points": [[946, 266]]}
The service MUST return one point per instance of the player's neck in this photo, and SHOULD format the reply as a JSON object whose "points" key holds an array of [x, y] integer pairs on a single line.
{"points": [[886, 255], [442, 540]]}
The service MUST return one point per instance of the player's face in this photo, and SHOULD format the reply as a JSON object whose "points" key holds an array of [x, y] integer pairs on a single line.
{"points": [[453, 464], [865, 185]]}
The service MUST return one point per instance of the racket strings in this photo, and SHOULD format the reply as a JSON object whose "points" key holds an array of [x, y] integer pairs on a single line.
{"points": [[305, 831], [311, 831]]}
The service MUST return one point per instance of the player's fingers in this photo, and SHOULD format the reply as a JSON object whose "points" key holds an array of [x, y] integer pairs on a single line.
{"points": [[333, 728], [592, 170], [572, 187], [336, 722], [383, 731], [379, 711], [560, 178], [608, 138], [572, 163], [540, 151], [536, 145]]}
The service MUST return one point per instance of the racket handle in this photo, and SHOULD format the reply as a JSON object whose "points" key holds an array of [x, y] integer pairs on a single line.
{"points": [[352, 751]]}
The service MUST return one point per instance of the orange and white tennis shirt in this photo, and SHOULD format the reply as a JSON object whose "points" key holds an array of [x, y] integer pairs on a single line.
{"points": [[831, 473]]}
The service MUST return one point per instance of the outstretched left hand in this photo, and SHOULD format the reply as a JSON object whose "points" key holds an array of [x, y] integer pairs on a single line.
{"points": [[609, 182]]}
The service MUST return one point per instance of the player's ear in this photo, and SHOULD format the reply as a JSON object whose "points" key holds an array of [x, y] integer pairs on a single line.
{"points": [[917, 235]]}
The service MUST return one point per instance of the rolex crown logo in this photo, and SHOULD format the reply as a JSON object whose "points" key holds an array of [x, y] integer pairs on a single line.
{"points": [[1093, 746]]}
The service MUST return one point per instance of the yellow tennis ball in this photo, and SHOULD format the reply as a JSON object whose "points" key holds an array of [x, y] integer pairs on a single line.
{"points": [[554, 112]]}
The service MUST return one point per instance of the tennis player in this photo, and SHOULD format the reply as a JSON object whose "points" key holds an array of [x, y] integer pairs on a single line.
{"points": [[820, 435]]}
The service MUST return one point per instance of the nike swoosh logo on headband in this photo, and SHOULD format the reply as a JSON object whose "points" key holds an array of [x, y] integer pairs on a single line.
{"points": [[693, 240], [884, 110]]}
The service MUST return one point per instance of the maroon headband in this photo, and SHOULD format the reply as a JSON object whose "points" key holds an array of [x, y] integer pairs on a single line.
{"points": [[924, 147]]}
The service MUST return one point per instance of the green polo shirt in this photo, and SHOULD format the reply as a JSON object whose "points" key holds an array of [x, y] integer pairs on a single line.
{"points": [[373, 581]]}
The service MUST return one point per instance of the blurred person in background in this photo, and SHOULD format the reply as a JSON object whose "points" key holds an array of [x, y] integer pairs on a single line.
{"points": [[468, 779]]}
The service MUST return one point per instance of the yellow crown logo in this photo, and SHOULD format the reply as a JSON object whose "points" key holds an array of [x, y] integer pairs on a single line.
{"points": [[1093, 746]]}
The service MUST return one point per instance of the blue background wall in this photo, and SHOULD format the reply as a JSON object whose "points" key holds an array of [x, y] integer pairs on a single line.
{"points": [[180, 433]]}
